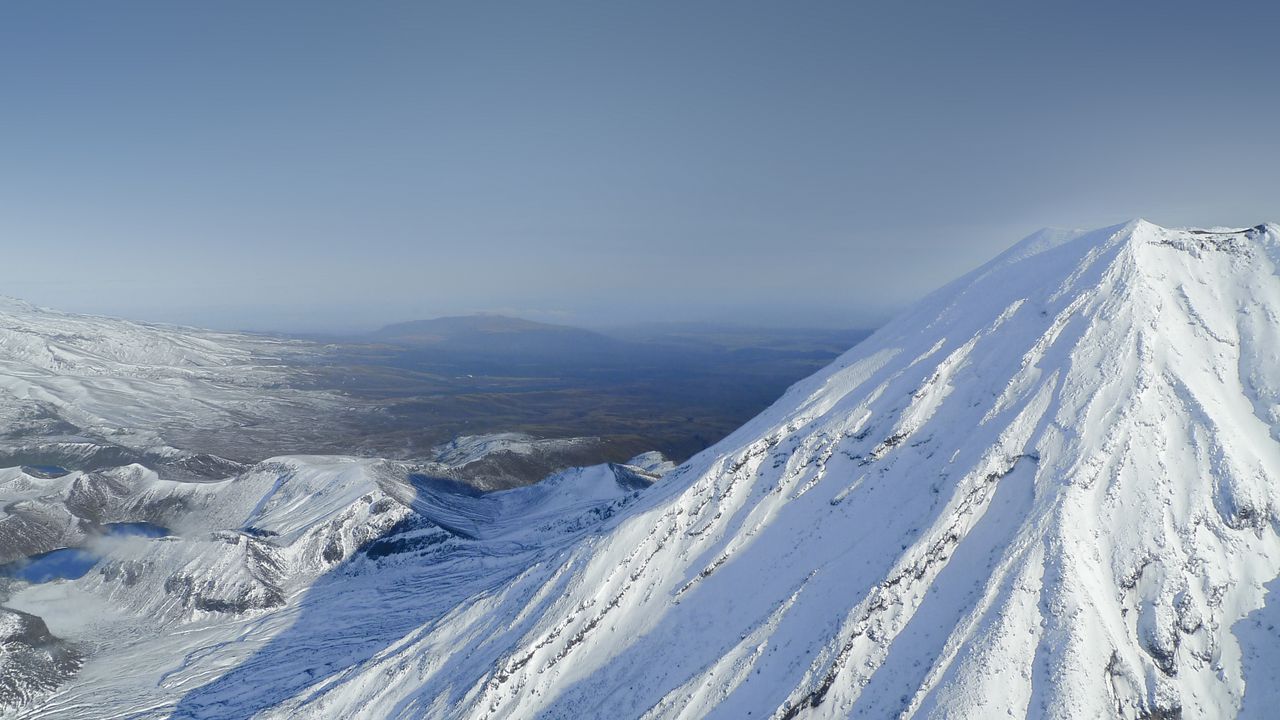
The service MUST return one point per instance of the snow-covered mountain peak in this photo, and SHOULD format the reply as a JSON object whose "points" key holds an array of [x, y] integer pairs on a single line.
{"points": [[1136, 232], [1050, 489]]}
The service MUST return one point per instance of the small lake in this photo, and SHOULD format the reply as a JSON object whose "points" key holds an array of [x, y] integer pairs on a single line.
{"points": [[136, 529], [72, 563], [47, 472], [64, 564]]}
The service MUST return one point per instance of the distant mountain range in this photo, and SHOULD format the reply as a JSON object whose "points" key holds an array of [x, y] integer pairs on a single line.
{"points": [[496, 334], [86, 392], [501, 334]]}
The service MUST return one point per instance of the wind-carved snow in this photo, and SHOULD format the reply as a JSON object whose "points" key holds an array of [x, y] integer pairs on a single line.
{"points": [[1051, 489]]}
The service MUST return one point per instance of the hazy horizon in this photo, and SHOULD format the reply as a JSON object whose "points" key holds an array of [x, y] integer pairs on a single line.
{"points": [[323, 167]]}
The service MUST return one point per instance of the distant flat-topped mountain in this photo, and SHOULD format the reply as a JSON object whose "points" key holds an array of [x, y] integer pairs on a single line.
{"points": [[491, 334]]}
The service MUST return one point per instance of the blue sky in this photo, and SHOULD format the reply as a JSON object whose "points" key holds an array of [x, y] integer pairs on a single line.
{"points": [[324, 166]]}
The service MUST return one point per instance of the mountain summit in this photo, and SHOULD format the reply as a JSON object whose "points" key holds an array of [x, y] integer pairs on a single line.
{"points": [[1051, 489]]}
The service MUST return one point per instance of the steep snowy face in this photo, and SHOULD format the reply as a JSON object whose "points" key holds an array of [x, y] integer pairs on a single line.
{"points": [[1049, 490]]}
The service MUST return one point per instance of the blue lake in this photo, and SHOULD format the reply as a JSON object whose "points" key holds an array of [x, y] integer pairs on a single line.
{"points": [[136, 529], [67, 563], [72, 563]]}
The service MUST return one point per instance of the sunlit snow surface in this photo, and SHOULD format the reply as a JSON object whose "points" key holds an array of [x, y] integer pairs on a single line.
{"points": [[78, 386], [1049, 490]]}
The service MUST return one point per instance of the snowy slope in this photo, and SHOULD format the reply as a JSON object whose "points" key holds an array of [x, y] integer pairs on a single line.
{"points": [[355, 552], [1051, 489], [105, 383], [467, 449]]}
